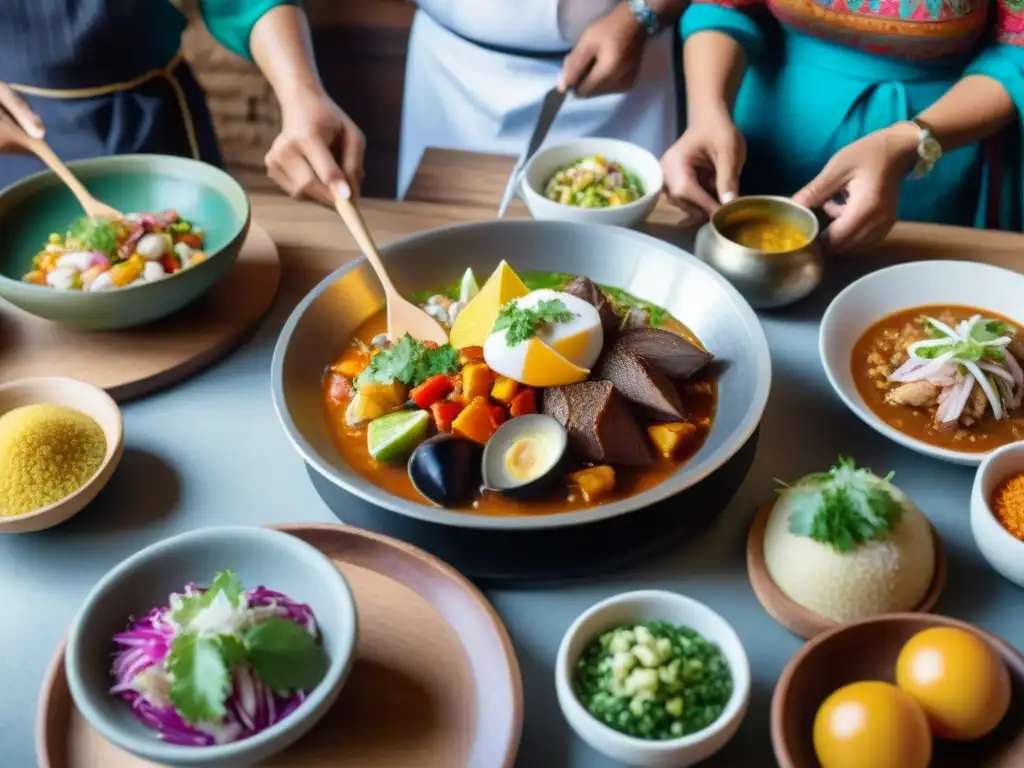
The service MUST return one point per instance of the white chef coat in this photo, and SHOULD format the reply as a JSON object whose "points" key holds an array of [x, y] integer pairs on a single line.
{"points": [[459, 95]]}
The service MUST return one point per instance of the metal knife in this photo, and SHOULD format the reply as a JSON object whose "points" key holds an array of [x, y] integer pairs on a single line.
{"points": [[548, 111]]}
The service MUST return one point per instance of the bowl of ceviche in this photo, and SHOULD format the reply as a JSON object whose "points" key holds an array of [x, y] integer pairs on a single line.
{"points": [[593, 181], [217, 647], [184, 224]]}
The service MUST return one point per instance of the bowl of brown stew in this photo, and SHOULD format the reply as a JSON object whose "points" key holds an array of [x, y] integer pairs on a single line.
{"points": [[678, 387], [930, 354]]}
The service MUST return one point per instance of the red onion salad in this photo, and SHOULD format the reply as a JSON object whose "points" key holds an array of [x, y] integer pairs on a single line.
{"points": [[976, 352], [154, 674]]}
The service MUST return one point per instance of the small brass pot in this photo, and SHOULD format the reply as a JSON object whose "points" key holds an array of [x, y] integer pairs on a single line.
{"points": [[766, 279]]}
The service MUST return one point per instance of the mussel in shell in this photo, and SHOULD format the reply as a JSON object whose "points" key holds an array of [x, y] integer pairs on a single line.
{"points": [[446, 469], [525, 455]]}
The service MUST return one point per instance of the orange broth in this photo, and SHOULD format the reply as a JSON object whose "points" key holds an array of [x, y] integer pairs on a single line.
{"points": [[699, 395], [881, 349]]}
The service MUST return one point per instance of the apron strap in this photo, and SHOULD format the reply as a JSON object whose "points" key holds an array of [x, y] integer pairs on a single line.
{"points": [[166, 73]]}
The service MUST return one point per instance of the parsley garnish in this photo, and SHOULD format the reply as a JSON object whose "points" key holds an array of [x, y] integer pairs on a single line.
{"points": [[622, 301], [94, 233], [521, 323], [284, 655], [843, 507], [409, 362]]}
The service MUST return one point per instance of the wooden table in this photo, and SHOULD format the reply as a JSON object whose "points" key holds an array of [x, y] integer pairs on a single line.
{"points": [[452, 187]]}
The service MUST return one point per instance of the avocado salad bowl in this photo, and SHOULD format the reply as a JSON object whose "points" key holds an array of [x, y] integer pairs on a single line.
{"points": [[599, 387], [183, 225]]}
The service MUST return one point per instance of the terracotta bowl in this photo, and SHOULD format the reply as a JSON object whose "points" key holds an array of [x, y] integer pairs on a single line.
{"points": [[867, 650], [93, 402], [795, 617]]}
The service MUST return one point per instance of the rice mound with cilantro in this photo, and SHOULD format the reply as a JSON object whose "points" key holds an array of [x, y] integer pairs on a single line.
{"points": [[849, 558]]}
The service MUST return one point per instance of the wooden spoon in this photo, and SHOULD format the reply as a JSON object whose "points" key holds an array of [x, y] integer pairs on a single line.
{"points": [[403, 316], [11, 131]]}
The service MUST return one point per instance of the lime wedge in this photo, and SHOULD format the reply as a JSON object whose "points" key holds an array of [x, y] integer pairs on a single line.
{"points": [[468, 287], [393, 437]]}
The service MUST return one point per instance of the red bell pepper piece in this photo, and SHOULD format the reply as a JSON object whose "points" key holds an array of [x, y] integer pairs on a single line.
{"points": [[444, 414], [498, 414], [523, 403], [431, 391], [190, 239]]}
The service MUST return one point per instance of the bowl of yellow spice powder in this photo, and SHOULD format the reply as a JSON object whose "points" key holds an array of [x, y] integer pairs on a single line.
{"points": [[60, 440], [997, 510]]}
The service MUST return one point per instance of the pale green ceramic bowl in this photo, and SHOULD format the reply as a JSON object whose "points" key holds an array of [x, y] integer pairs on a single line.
{"points": [[32, 208]]}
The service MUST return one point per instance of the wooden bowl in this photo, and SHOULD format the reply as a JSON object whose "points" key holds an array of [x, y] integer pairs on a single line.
{"points": [[795, 617], [867, 649], [91, 401]]}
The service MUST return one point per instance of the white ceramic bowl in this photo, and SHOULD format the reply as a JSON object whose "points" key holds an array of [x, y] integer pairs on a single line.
{"points": [[918, 283], [1003, 550], [634, 159], [653, 605]]}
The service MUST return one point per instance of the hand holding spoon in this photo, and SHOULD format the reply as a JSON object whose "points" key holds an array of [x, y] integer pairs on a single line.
{"points": [[403, 316], [17, 128]]}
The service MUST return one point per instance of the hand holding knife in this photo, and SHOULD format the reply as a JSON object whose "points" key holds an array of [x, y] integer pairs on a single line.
{"points": [[548, 112]]}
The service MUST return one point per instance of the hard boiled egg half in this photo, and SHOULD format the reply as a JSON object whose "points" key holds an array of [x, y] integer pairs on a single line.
{"points": [[560, 353]]}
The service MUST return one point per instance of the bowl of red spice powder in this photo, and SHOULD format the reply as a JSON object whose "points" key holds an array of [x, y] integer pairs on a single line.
{"points": [[997, 510]]}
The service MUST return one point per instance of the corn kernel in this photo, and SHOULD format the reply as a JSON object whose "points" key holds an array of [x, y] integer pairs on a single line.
{"points": [[54, 239], [35, 277], [125, 273]]}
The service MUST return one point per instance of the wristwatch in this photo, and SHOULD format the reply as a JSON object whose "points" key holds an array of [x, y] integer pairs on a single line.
{"points": [[645, 17], [929, 151]]}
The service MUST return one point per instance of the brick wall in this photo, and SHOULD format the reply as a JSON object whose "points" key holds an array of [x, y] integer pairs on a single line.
{"points": [[361, 55]]}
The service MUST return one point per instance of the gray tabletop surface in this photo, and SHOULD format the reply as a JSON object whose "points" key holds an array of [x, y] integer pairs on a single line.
{"points": [[210, 451]]}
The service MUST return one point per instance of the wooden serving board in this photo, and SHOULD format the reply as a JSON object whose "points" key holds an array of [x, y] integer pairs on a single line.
{"points": [[138, 361], [435, 682]]}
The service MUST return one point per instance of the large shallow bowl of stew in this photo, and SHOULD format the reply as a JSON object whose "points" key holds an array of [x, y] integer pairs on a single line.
{"points": [[325, 321], [930, 355]]}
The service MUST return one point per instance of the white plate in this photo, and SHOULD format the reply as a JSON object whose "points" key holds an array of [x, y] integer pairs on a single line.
{"points": [[894, 289]]}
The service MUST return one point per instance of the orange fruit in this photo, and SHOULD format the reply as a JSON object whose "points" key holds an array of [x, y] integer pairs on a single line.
{"points": [[959, 680], [871, 725]]}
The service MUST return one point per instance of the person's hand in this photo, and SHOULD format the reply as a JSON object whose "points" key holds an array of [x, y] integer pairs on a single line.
{"points": [[607, 57], [708, 156], [318, 150], [869, 172], [13, 106]]}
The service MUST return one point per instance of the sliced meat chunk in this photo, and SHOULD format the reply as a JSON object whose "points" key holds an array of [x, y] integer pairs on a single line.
{"points": [[977, 403], [641, 383], [669, 352], [1016, 348], [599, 423], [917, 394], [586, 289]]}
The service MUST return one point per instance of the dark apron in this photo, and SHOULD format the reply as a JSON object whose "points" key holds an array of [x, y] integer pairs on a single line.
{"points": [[79, 45]]}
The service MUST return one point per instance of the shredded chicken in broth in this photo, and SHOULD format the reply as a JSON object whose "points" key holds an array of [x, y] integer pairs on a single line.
{"points": [[950, 376]]}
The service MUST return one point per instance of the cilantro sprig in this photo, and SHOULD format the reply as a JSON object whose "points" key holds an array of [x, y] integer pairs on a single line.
{"points": [[94, 233], [410, 362], [200, 662], [843, 507], [622, 301], [521, 323]]}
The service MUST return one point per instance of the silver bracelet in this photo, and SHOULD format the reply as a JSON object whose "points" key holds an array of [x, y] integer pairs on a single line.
{"points": [[645, 17]]}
